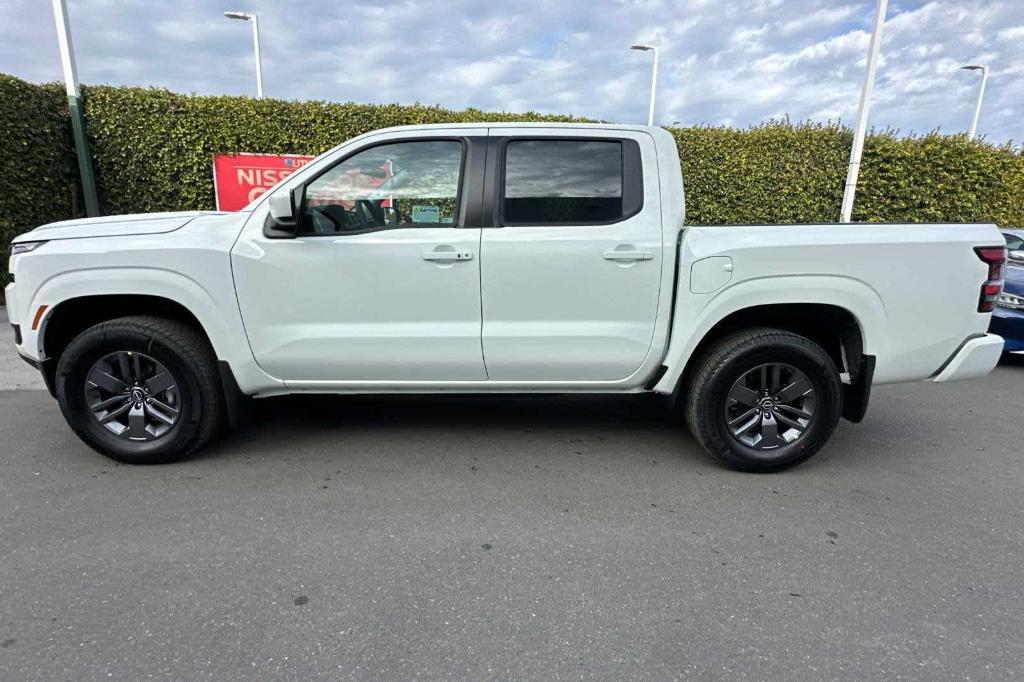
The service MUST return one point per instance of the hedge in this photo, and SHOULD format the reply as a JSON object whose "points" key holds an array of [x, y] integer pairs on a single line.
{"points": [[152, 151], [38, 172], [783, 173]]}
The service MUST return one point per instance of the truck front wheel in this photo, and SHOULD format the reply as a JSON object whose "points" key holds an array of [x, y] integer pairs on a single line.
{"points": [[141, 390], [763, 400]]}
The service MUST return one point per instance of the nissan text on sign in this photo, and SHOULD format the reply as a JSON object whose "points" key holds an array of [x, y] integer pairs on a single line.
{"points": [[240, 178]]}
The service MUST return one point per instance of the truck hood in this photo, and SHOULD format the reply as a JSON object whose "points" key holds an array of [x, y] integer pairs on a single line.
{"points": [[114, 226]]}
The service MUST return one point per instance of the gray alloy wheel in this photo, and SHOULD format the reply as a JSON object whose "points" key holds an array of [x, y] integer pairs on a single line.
{"points": [[770, 406], [133, 396]]}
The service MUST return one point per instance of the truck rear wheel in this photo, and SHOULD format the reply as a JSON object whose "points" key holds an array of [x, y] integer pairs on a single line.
{"points": [[141, 390], [763, 400]]}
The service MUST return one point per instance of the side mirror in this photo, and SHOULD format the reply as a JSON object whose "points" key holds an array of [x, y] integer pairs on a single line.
{"points": [[282, 220], [1016, 256]]}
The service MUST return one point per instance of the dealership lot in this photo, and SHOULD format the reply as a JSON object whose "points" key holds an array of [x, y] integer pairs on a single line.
{"points": [[471, 538]]}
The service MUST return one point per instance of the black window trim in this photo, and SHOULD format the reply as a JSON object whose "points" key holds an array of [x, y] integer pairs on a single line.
{"points": [[632, 174], [460, 193]]}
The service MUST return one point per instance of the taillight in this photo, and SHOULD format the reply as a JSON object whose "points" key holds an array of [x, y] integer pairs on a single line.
{"points": [[995, 257]]}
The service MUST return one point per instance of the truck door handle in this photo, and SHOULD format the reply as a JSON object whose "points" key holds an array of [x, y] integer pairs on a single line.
{"points": [[628, 255], [447, 256]]}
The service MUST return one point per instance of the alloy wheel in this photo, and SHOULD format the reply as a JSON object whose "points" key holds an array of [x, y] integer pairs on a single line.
{"points": [[770, 406], [133, 396]]}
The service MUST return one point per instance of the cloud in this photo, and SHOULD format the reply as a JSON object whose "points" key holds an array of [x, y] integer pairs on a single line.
{"points": [[1012, 33], [819, 18], [735, 62]]}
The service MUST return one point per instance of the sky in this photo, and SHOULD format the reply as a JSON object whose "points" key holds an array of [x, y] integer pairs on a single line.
{"points": [[723, 62]]}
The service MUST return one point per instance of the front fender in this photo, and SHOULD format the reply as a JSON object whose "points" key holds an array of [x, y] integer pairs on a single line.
{"points": [[220, 319], [142, 281]]}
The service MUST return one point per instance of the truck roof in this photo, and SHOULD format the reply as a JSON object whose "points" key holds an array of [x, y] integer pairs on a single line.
{"points": [[519, 124]]}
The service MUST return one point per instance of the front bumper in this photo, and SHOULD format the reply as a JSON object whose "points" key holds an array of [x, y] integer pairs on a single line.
{"points": [[975, 358], [1009, 324], [26, 338]]}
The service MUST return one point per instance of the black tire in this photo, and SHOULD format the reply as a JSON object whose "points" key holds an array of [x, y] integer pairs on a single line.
{"points": [[182, 350], [732, 357]]}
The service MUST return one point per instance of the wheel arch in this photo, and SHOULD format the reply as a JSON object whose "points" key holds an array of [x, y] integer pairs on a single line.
{"points": [[796, 302], [70, 317], [835, 328]]}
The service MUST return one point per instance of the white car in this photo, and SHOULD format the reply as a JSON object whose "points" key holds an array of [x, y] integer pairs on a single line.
{"points": [[487, 258]]}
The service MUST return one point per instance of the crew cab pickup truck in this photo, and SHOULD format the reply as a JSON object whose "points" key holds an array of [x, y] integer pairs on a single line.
{"points": [[500, 257]]}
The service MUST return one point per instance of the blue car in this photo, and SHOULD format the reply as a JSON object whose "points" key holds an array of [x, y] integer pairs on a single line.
{"points": [[1014, 246], [1008, 316]]}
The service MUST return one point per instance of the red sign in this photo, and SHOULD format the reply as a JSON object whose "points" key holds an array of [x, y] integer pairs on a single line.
{"points": [[240, 178]]}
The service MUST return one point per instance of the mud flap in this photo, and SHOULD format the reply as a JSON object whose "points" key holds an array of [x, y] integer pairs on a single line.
{"points": [[857, 393]]}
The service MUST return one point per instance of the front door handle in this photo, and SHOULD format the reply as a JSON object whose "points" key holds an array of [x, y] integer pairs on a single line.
{"points": [[628, 255], [447, 256]]}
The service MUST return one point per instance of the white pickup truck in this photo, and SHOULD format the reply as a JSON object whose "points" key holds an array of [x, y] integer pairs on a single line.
{"points": [[487, 258]]}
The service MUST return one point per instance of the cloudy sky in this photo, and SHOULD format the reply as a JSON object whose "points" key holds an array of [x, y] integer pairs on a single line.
{"points": [[723, 62]]}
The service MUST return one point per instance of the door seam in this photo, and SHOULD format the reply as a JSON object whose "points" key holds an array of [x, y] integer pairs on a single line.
{"points": [[480, 256]]}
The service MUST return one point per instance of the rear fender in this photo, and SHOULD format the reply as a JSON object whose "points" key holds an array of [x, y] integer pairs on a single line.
{"points": [[696, 315]]}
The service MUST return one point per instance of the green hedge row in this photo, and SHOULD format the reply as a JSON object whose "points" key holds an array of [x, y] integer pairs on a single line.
{"points": [[782, 173], [38, 172], [152, 151]]}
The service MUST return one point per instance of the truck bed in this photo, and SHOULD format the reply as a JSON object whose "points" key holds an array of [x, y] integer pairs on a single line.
{"points": [[913, 288]]}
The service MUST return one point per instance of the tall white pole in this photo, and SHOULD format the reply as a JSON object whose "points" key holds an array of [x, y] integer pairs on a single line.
{"points": [[67, 49], [977, 107], [862, 115], [654, 87], [255, 20], [256, 46], [654, 78], [75, 109]]}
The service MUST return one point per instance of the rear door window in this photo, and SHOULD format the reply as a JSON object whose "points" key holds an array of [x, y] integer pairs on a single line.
{"points": [[568, 182]]}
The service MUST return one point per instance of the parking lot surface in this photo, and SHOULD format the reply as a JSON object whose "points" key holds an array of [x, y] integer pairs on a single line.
{"points": [[543, 538]]}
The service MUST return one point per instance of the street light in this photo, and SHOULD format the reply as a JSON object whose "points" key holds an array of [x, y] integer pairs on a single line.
{"points": [[853, 170], [248, 16], [654, 77], [981, 94], [67, 60]]}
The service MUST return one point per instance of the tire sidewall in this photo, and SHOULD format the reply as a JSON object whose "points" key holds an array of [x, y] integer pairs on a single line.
{"points": [[73, 368], [821, 373]]}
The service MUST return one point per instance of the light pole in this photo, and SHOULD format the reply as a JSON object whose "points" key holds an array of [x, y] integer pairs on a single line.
{"points": [[654, 78], [862, 115], [981, 94], [67, 60], [248, 16]]}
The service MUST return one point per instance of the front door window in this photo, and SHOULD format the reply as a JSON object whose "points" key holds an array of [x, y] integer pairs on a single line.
{"points": [[401, 184]]}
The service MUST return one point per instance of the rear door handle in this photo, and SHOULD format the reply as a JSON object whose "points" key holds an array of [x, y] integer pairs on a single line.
{"points": [[447, 256], [628, 255]]}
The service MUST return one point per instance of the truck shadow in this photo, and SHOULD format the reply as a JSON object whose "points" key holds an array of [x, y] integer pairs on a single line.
{"points": [[312, 423], [637, 427], [503, 411]]}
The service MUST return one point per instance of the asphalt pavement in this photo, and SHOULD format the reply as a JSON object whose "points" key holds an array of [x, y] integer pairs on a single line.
{"points": [[513, 537]]}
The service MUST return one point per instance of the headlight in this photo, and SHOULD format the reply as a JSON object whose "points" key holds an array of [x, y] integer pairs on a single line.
{"points": [[1010, 301], [25, 247]]}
